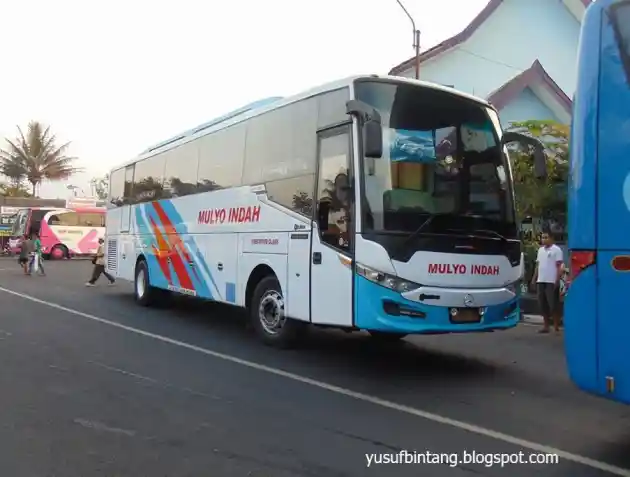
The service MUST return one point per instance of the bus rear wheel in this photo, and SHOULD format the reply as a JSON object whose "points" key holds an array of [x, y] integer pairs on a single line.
{"points": [[267, 314], [143, 291], [58, 252]]}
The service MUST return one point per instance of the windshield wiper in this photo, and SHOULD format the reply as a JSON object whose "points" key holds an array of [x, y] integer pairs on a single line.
{"points": [[481, 231], [415, 233]]}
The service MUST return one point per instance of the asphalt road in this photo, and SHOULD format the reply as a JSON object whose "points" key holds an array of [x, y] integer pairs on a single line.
{"points": [[92, 385]]}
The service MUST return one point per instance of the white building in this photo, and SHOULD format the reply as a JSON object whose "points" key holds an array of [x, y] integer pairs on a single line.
{"points": [[519, 54]]}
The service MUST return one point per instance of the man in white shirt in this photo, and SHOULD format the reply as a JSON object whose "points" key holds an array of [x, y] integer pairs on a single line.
{"points": [[547, 278]]}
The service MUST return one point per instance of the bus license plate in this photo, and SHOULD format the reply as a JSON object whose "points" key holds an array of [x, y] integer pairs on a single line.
{"points": [[466, 315]]}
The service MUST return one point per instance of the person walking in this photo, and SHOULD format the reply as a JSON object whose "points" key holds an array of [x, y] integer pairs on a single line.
{"points": [[26, 248], [99, 266], [547, 276]]}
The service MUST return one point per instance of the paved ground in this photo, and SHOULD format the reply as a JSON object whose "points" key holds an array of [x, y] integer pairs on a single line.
{"points": [[187, 391]]}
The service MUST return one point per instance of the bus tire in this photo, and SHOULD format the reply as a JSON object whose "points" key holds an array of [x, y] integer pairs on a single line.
{"points": [[59, 252], [386, 337], [266, 311], [144, 293]]}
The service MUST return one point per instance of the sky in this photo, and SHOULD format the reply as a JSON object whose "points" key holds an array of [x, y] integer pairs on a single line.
{"points": [[115, 77]]}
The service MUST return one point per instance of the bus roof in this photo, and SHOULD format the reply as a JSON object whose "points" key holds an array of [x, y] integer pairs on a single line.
{"points": [[84, 210], [264, 105]]}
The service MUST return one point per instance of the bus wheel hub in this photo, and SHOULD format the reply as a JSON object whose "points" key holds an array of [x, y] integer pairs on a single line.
{"points": [[271, 312]]}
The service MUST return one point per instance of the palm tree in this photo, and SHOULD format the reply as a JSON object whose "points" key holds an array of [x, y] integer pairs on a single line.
{"points": [[11, 190], [36, 157]]}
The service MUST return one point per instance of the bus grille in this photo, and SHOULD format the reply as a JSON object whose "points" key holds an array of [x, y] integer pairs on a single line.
{"points": [[112, 254]]}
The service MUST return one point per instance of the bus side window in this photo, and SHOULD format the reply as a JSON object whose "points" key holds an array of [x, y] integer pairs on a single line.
{"points": [[90, 220], [67, 219], [53, 220]]}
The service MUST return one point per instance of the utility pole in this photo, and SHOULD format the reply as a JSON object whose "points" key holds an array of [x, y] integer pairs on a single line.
{"points": [[416, 38]]}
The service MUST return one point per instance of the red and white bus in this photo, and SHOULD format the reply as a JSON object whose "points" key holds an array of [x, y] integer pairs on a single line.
{"points": [[64, 232]]}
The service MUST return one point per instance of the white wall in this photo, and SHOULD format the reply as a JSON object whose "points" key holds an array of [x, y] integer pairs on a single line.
{"points": [[515, 35], [524, 107]]}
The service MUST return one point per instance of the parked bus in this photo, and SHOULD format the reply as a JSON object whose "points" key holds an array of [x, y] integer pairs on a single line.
{"points": [[597, 331], [372, 203], [64, 232], [6, 225]]}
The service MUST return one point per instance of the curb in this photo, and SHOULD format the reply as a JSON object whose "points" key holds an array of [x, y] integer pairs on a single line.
{"points": [[532, 319]]}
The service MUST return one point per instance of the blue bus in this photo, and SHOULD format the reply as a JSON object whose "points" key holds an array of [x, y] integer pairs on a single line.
{"points": [[597, 325]]}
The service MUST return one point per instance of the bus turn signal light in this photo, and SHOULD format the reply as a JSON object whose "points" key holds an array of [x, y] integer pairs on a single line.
{"points": [[580, 260]]}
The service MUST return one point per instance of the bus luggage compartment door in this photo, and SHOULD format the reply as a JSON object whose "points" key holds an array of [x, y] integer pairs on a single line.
{"points": [[613, 326]]}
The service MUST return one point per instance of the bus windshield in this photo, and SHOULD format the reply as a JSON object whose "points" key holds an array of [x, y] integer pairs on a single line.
{"points": [[442, 156], [22, 221], [19, 226]]}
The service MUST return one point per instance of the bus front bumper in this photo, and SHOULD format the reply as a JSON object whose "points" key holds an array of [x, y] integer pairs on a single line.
{"points": [[461, 297], [379, 308]]}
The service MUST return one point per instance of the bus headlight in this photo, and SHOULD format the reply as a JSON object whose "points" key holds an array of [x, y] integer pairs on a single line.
{"points": [[516, 287], [385, 280]]}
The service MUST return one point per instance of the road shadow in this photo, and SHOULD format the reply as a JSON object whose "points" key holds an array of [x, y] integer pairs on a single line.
{"points": [[356, 353]]}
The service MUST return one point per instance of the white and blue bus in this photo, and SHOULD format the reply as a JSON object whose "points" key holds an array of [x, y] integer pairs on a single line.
{"points": [[373, 203], [597, 330]]}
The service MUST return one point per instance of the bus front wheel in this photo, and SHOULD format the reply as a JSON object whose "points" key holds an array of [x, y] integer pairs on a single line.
{"points": [[268, 317]]}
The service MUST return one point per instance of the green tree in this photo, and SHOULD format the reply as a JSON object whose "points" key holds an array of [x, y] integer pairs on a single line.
{"points": [[100, 186], [536, 198], [36, 157], [12, 190], [545, 200]]}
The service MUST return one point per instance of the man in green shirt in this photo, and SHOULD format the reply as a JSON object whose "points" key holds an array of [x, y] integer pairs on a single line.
{"points": [[37, 255]]}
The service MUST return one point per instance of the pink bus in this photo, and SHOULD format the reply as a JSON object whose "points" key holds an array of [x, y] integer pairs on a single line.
{"points": [[64, 232]]}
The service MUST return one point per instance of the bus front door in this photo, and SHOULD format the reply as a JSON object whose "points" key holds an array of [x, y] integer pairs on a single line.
{"points": [[331, 240]]}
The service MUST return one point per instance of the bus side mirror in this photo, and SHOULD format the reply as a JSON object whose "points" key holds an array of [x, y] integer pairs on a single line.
{"points": [[540, 160], [372, 130], [372, 139]]}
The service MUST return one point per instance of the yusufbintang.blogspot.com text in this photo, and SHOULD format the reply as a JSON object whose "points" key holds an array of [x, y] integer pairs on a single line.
{"points": [[454, 459]]}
